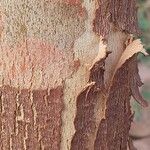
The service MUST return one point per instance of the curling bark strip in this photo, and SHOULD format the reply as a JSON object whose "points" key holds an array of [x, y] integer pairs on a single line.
{"points": [[114, 92]]}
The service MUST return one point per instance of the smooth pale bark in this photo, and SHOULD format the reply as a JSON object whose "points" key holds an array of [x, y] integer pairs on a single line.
{"points": [[58, 89]]}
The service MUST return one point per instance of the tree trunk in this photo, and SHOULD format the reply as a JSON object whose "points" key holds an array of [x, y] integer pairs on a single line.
{"points": [[67, 71]]}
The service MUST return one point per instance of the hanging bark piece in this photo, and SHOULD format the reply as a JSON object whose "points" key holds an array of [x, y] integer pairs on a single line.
{"points": [[88, 110], [112, 16], [114, 129], [114, 101], [135, 82]]}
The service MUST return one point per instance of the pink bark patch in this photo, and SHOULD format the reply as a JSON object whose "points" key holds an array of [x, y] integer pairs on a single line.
{"points": [[35, 61]]}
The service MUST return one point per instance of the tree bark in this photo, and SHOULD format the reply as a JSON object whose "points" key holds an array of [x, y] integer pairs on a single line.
{"points": [[67, 71]]}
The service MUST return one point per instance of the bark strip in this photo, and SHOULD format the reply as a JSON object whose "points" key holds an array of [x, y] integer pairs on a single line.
{"points": [[89, 110], [114, 20], [114, 129]]}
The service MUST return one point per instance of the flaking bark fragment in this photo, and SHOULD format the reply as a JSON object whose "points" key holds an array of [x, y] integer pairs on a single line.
{"points": [[85, 121], [135, 82], [117, 122], [113, 131]]}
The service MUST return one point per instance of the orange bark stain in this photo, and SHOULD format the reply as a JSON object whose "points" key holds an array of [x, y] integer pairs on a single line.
{"points": [[76, 65], [77, 3], [73, 2]]}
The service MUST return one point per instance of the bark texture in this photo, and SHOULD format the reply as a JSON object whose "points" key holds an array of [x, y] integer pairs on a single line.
{"points": [[30, 119], [45, 54], [60, 83], [112, 87], [122, 14]]}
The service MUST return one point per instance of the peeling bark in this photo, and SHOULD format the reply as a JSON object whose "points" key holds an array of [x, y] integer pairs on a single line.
{"points": [[118, 83], [89, 110], [117, 120], [67, 71]]}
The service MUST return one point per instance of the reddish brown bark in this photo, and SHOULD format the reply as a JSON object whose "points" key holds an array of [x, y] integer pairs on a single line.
{"points": [[121, 13], [114, 126], [53, 59], [30, 119], [87, 101]]}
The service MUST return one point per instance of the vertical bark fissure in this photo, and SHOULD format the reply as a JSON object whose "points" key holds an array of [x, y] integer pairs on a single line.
{"points": [[9, 96]]}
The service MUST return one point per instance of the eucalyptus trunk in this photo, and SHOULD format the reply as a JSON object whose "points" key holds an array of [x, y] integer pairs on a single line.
{"points": [[68, 69]]}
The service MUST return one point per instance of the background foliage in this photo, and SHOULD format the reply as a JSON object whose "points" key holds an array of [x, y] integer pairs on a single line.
{"points": [[144, 62], [140, 130]]}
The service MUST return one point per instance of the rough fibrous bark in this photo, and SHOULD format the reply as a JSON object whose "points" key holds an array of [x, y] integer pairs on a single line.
{"points": [[87, 101], [118, 113], [65, 81], [30, 119], [113, 19], [122, 14]]}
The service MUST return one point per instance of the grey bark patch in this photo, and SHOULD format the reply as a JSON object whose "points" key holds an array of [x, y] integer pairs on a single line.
{"points": [[56, 22]]}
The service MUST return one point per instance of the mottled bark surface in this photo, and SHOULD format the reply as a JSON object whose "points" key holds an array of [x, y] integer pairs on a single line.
{"points": [[45, 54], [61, 86]]}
